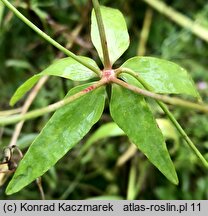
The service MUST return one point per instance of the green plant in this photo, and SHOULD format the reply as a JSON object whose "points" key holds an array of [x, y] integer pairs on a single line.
{"points": [[83, 105]]}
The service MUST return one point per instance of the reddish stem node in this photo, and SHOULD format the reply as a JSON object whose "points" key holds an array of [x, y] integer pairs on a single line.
{"points": [[108, 75]]}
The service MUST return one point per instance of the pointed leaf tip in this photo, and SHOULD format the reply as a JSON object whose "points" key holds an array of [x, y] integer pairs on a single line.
{"points": [[133, 116], [23, 89]]}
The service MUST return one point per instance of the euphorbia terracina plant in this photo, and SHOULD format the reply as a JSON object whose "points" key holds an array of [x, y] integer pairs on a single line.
{"points": [[83, 105]]}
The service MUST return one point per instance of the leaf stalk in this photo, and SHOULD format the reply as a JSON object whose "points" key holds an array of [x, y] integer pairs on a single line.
{"points": [[149, 92]]}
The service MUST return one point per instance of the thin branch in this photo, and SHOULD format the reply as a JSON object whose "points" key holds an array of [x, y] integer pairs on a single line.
{"points": [[49, 39], [179, 18], [50, 108], [106, 59], [10, 112], [170, 116], [164, 98]]}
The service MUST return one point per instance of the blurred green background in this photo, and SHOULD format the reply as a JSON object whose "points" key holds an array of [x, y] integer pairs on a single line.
{"points": [[104, 165]]}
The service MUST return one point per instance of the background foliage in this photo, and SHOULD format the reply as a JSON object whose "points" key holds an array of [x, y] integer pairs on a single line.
{"points": [[96, 171]]}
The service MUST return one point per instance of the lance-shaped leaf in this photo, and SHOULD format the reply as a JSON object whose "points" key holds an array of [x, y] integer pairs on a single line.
{"points": [[162, 75], [116, 33], [66, 128], [66, 68], [133, 116]]}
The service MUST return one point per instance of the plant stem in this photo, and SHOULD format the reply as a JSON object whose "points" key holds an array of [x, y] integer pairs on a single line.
{"points": [[106, 59], [170, 116], [49, 39], [179, 18], [10, 112], [164, 98], [50, 108]]}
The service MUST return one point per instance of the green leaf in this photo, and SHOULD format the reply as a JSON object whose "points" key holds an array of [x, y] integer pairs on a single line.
{"points": [[65, 129], [66, 68], [116, 33], [133, 116], [162, 75]]}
